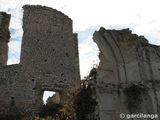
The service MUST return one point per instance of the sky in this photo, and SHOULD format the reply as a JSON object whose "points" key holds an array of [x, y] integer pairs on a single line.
{"points": [[141, 16]]}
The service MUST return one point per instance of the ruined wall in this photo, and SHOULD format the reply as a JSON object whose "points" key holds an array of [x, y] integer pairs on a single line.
{"points": [[48, 61], [128, 75], [127, 79], [4, 37], [48, 50]]}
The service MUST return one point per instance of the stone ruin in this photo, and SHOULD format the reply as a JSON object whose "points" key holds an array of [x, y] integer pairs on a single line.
{"points": [[49, 59], [127, 78], [128, 75]]}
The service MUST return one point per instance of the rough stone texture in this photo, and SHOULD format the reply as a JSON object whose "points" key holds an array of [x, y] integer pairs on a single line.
{"points": [[125, 60], [4, 37], [49, 61], [54, 99], [129, 67]]}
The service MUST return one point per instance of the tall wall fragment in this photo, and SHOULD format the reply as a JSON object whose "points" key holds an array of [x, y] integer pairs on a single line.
{"points": [[48, 61], [48, 50], [4, 37], [128, 63]]}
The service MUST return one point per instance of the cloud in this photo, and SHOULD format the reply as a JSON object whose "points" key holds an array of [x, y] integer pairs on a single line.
{"points": [[154, 37], [88, 54], [98, 12], [141, 16], [14, 52]]}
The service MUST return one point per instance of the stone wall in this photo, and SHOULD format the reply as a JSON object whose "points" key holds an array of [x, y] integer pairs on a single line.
{"points": [[127, 79], [4, 37], [48, 61], [128, 76]]}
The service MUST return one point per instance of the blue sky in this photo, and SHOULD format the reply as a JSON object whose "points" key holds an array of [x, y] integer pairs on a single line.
{"points": [[141, 16]]}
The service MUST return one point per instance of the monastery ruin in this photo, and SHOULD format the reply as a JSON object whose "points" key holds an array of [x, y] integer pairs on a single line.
{"points": [[49, 59], [127, 78]]}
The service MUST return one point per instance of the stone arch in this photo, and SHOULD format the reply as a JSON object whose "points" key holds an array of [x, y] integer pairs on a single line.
{"points": [[112, 58]]}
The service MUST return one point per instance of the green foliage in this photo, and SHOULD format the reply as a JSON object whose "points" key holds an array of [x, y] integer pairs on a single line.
{"points": [[80, 105], [55, 111], [84, 103], [135, 95], [49, 110]]}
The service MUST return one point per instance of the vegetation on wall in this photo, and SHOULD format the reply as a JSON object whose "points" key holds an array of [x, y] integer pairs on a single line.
{"points": [[55, 112], [80, 106], [84, 104], [134, 94], [84, 101]]}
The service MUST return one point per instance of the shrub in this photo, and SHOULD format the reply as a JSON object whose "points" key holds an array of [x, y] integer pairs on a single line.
{"points": [[55, 111], [135, 95], [50, 110], [84, 103]]}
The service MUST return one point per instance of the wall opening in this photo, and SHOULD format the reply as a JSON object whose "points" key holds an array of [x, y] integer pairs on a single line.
{"points": [[16, 33], [51, 97], [88, 51]]}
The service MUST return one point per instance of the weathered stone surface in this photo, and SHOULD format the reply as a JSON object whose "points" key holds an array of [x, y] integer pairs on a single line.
{"points": [[4, 37], [127, 79], [49, 61], [54, 99], [126, 60]]}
